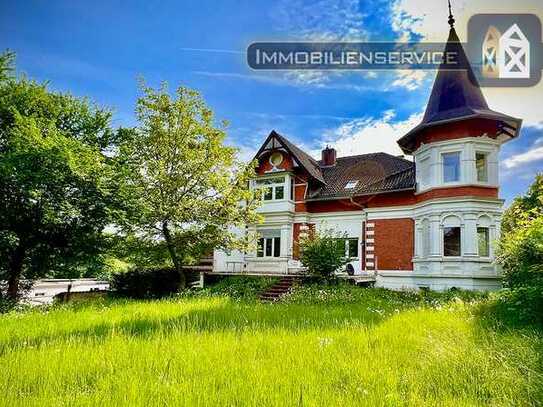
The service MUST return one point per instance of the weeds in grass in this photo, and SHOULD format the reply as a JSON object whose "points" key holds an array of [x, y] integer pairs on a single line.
{"points": [[339, 345]]}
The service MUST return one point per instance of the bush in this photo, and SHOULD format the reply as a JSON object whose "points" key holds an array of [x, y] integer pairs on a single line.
{"points": [[239, 288], [519, 306], [147, 283], [520, 252], [323, 253]]}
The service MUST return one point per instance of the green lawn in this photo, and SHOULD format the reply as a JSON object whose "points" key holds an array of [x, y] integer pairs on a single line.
{"points": [[336, 346]]}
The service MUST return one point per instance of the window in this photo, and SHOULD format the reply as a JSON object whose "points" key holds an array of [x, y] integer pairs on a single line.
{"points": [[483, 241], [481, 166], [274, 188], [350, 246], [276, 159], [451, 241], [351, 184], [269, 247], [424, 171], [451, 167], [292, 189], [425, 229]]}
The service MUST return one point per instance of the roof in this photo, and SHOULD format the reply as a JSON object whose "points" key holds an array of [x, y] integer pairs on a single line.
{"points": [[374, 173], [455, 96], [302, 158]]}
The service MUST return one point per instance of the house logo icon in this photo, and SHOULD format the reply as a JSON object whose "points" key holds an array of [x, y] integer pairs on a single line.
{"points": [[505, 50], [507, 55]]}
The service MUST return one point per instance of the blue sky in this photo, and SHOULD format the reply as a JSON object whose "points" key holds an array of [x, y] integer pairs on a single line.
{"points": [[98, 49]]}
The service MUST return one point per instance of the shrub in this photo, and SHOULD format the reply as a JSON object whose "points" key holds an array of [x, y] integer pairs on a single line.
{"points": [[323, 253], [520, 252], [239, 288], [521, 255], [146, 283], [523, 305]]}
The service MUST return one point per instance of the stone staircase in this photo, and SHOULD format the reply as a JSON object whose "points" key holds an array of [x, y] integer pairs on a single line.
{"points": [[276, 291]]}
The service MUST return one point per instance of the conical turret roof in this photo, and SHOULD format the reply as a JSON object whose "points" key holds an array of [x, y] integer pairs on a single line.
{"points": [[456, 96]]}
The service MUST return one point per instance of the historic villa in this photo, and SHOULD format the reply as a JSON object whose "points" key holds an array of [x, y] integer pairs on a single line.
{"points": [[428, 223]]}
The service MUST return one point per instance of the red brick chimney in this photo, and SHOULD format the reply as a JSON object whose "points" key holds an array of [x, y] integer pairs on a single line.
{"points": [[329, 156]]}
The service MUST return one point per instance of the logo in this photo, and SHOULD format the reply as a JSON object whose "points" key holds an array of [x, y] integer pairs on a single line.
{"points": [[507, 55], [505, 50]]}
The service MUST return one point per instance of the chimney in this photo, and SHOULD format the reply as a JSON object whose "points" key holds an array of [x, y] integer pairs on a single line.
{"points": [[329, 156]]}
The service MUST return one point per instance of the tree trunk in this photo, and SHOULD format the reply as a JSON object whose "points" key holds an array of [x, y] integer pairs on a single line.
{"points": [[15, 271], [173, 254]]}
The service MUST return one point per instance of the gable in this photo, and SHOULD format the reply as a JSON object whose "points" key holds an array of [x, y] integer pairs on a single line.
{"points": [[299, 158]]}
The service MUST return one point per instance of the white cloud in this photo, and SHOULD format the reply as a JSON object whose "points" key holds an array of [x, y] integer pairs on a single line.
{"points": [[369, 135], [532, 155], [429, 20], [410, 80]]}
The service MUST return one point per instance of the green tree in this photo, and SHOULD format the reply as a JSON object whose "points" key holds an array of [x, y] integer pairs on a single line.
{"points": [[520, 249], [323, 253], [57, 183], [520, 253], [524, 207], [190, 186]]}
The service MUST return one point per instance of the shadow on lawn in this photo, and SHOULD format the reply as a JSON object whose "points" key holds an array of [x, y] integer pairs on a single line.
{"points": [[224, 317]]}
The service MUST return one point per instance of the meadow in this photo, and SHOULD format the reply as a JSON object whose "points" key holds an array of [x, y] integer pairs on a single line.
{"points": [[337, 345]]}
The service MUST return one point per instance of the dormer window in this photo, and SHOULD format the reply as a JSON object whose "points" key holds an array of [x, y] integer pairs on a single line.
{"points": [[351, 184]]}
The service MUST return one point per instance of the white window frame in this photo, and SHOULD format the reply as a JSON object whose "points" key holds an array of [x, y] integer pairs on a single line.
{"points": [[459, 154], [485, 154], [425, 179], [452, 221], [259, 184], [273, 241]]}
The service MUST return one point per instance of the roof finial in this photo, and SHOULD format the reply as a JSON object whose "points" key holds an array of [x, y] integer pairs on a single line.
{"points": [[451, 18]]}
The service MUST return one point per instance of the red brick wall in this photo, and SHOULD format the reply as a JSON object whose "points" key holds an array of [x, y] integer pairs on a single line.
{"points": [[483, 192], [394, 245], [461, 129]]}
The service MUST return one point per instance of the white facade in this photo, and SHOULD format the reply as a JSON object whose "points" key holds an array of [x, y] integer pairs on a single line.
{"points": [[454, 237], [476, 220]]}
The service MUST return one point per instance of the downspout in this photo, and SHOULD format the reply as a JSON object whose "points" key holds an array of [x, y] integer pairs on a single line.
{"points": [[363, 243]]}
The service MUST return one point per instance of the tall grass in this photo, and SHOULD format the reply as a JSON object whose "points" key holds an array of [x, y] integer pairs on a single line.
{"points": [[371, 348]]}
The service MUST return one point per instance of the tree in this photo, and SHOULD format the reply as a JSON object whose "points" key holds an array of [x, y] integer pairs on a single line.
{"points": [[323, 253], [524, 207], [191, 188], [57, 184], [520, 253]]}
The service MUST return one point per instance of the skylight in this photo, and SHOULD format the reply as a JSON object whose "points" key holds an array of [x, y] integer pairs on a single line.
{"points": [[351, 184]]}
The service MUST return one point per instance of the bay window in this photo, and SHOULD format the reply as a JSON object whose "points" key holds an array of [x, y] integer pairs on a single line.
{"points": [[483, 241], [451, 167], [273, 188], [452, 241], [481, 167]]}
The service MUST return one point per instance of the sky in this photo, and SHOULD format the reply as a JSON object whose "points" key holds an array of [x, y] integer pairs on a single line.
{"points": [[99, 49]]}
